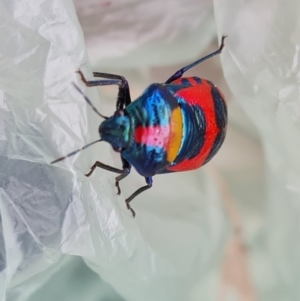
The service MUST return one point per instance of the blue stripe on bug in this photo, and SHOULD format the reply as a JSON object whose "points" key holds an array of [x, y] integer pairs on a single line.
{"points": [[185, 82], [153, 108], [197, 80], [221, 121], [193, 131], [220, 107], [178, 84], [216, 146]]}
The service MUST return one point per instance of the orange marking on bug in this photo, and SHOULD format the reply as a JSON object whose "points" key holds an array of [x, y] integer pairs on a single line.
{"points": [[200, 95], [175, 134]]}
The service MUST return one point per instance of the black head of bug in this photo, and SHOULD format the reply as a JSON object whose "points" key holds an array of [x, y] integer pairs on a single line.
{"points": [[115, 130]]}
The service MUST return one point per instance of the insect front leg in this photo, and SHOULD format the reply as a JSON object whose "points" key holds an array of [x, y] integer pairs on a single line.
{"points": [[149, 182], [124, 98]]}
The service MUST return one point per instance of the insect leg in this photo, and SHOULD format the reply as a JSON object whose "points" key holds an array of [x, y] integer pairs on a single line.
{"points": [[123, 172], [140, 190], [126, 172], [104, 166], [180, 72], [113, 79]]}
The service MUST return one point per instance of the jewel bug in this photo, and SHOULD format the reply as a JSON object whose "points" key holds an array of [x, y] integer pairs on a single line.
{"points": [[174, 126]]}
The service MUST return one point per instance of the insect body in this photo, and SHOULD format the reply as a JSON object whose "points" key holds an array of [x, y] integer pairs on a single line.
{"points": [[175, 126]]}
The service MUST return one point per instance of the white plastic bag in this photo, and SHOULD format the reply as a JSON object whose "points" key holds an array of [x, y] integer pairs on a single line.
{"points": [[51, 212]]}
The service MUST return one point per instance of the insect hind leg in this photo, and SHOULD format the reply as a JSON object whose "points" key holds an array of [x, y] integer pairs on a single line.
{"points": [[181, 71], [149, 182]]}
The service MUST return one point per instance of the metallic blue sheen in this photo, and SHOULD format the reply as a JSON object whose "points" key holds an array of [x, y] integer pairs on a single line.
{"points": [[152, 108], [116, 131]]}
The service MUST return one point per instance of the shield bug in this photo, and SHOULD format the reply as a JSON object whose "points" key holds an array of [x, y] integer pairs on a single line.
{"points": [[174, 126]]}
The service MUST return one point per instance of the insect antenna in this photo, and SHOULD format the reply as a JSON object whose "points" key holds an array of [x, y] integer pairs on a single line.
{"points": [[75, 152], [88, 101]]}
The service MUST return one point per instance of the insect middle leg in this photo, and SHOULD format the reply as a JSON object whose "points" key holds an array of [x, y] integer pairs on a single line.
{"points": [[124, 98], [123, 172], [181, 71]]}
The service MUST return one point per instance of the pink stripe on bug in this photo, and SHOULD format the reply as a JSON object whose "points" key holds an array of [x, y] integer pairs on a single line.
{"points": [[156, 136]]}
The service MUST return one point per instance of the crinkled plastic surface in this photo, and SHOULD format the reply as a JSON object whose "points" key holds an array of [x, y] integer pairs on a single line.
{"points": [[57, 225], [261, 66], [49, 213], [139, 34]]}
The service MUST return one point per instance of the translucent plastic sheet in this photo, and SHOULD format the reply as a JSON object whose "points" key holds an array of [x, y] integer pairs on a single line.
{"points": [[261, 66], [48, 212], [179, 246]]}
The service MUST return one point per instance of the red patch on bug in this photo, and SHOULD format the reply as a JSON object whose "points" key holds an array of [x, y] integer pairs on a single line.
{"points": [[190, 80], [199, 95]]}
